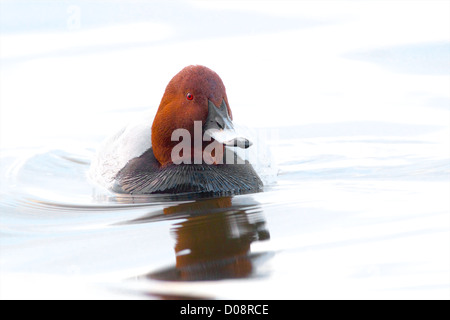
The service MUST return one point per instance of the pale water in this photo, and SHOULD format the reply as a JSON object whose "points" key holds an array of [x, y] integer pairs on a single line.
{"points": [[353, 98]]}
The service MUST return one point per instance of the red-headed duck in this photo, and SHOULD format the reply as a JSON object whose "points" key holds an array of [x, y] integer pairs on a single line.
{"points": [[169, 158]]}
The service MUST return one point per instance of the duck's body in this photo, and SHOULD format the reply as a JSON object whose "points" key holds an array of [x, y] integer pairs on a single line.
{"points": [[139, 159], [144, 175]]}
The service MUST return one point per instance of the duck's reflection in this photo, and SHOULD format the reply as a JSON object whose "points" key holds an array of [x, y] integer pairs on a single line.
{"points": [[213, 240]]}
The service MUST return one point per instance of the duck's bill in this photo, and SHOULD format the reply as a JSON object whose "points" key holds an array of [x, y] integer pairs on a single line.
{"points": [[229, 138], [219, 127]]}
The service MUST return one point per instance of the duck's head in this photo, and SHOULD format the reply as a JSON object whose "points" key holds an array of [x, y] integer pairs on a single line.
{"points": [[196, 93]]}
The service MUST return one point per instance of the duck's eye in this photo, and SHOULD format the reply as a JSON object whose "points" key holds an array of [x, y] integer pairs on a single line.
{"points": [[189, 96]]}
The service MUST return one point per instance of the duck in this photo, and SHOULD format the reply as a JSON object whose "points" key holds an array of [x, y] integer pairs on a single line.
{"points": [[190, 146]]}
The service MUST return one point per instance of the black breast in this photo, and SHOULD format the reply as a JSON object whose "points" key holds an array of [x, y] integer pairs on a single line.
{"points": [[143, 175]]}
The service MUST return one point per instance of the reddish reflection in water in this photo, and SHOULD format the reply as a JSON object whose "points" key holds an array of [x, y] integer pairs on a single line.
{"points": [[213, 242]]}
